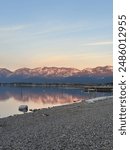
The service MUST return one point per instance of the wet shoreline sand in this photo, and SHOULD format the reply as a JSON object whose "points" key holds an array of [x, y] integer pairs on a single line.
{"points": [[78, 126]]}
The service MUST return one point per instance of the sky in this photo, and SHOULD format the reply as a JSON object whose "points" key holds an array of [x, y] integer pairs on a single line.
{"points": [[61, 33]]}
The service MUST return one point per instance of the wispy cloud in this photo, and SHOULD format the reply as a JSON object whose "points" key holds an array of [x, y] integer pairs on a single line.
{"points": [[60, 28], [12, 33], [99, 43], [12, 28]]}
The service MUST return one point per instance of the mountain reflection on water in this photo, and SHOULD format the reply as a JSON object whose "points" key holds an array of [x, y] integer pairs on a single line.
{"points": [[37, 97]]}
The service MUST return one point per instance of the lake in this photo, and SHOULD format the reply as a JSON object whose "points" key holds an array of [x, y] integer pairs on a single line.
{"points": [[40, 97]]}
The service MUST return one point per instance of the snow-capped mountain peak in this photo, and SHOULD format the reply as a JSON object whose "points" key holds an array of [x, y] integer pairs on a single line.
{"points": [[54, 72], [5, 72]]}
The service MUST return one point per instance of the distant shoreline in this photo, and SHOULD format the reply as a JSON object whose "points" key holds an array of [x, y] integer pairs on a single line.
{"points": [[87, 88]]}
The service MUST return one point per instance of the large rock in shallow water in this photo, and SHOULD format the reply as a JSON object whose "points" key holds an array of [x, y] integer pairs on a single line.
{"points": [[23, 108]]}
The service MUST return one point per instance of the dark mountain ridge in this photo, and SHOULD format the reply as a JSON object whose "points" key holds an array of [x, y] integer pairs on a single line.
{"points": [[101, 74]]}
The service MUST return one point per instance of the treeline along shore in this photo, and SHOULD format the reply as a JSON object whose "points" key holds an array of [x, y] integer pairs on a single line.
{"points": [[108, 87]]}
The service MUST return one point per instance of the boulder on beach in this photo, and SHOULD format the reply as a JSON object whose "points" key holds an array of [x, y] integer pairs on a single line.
{"points": [[23, 108]]}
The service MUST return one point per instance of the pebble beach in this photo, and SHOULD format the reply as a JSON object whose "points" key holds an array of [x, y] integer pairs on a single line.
{"points": [[78, 126]]}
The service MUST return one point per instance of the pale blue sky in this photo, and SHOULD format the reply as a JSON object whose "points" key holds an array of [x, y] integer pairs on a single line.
{"points": [[68, 33]]}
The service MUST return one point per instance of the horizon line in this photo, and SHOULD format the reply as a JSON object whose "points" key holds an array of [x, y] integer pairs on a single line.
{"points": [[54, 67]]}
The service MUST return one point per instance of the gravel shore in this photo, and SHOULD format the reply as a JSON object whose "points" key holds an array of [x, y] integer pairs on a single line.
{"points": [[79, 126]]}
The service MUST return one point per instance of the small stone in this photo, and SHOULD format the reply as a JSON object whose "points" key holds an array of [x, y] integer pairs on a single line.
{"points": [[23, 108]]}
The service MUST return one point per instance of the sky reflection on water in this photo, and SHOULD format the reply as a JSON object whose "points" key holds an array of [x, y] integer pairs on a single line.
{"points": [[12, 97]]}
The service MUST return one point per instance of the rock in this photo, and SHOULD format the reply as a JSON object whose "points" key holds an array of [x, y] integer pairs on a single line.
{"points": [[45, 114], [34, 110], [23, 108]]}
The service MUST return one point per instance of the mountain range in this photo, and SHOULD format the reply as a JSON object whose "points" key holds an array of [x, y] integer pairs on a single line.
{"points": [[100, 74]]}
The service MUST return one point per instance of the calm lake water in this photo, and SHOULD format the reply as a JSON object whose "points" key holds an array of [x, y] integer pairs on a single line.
{"points": [[12, 97]]}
